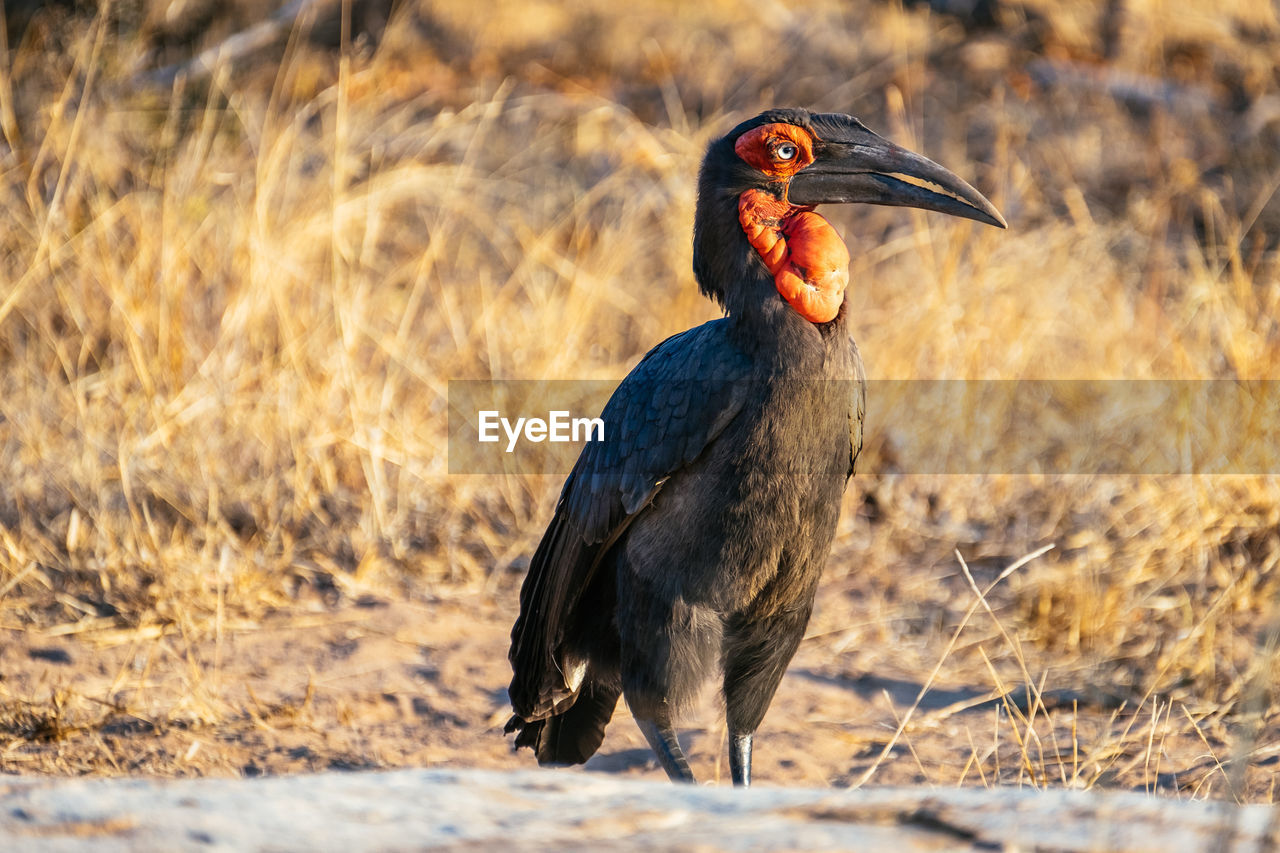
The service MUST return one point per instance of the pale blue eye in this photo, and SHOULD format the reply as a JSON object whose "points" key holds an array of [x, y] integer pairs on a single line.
{"points": [[785, 152]]}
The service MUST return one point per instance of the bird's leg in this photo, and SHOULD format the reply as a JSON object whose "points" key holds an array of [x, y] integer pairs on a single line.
{"points": [[756, 653], [662, 739], [740, 758]]}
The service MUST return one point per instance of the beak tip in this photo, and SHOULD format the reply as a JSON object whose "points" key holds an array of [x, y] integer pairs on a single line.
{"points": [[990, 215], [987, 212]]}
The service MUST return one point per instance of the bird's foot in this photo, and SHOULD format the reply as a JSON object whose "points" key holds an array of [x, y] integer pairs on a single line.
{"points": [[740, 759]]}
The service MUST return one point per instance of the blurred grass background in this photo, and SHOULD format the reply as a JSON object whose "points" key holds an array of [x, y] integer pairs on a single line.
{"points": [[232, 294]]}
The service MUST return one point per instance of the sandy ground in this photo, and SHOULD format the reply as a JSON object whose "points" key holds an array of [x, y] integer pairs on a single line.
{"points": [[384, 684]]}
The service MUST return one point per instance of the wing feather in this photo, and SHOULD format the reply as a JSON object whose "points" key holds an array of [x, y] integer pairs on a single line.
{"points": [[680, 396]]}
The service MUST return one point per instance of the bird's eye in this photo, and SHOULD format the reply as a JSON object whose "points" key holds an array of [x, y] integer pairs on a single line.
{"points": [[785, 151]]}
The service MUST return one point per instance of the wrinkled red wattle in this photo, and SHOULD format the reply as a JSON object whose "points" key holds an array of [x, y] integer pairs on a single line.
{"points": [[808, 260]]}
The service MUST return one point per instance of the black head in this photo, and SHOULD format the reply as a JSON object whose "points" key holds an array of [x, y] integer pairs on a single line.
{"points": [[809, 159]]}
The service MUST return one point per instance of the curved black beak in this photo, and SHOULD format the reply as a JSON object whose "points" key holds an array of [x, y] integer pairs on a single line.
{"points": [[852, 164]]}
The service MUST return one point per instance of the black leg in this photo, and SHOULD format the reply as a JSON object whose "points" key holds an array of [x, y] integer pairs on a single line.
{"points": [[756, 654], [740, 759], [662, 738]]}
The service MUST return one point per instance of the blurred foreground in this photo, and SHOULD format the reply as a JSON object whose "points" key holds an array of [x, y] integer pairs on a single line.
{"points": [[531, 811]]}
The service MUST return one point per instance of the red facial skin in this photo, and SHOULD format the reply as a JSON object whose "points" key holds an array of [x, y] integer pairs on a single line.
{"points": [[808, 260]]}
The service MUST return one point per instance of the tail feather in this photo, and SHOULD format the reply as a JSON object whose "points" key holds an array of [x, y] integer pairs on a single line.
{"points": [[573, 735]]}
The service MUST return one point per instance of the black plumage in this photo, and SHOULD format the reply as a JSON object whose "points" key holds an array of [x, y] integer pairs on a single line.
{"points": [[691, 540]]}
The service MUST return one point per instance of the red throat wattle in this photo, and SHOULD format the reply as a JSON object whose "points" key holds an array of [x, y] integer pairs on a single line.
{"points": [[808, 260]]}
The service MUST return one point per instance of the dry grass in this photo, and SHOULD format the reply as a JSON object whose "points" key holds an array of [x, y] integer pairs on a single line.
{"points": [[228, 315]]}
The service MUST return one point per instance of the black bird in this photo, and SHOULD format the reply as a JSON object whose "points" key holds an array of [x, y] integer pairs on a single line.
{"points": [[692, 539]]}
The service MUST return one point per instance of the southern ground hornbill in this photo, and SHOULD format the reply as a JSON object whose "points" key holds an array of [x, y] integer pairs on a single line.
{"points": [[691, 540]]}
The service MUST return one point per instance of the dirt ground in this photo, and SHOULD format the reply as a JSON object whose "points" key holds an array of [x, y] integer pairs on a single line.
{"points": [[379, 683], [385, 684]]}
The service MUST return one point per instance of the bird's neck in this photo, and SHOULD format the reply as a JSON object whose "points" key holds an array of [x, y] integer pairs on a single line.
{"points": [[804, 254], [780, 274]]}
